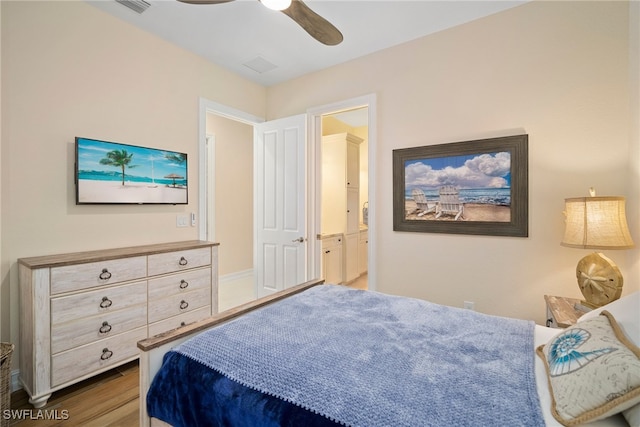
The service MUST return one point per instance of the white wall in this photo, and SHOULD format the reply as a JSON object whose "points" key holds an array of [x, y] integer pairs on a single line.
{"points": [[558, 71], [69, 69]]}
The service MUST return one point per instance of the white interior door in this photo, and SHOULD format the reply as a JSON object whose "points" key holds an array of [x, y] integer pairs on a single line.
{"points": [[280, 204]]}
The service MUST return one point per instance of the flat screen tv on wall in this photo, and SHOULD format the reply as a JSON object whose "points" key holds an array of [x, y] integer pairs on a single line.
{"points": [[113, 173]]}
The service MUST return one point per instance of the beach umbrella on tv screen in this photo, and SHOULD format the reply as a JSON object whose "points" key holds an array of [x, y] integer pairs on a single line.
{"points": [[174, 176]]}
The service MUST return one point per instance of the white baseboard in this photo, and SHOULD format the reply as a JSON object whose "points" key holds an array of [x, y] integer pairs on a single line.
{"points": [[238, 275]]}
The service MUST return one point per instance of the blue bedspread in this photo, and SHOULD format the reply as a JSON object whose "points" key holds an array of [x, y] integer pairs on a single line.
{"points": [[360, 358]]}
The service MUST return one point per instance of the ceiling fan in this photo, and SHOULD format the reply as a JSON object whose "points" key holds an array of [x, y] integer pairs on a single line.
{"points": [[314, 24]]}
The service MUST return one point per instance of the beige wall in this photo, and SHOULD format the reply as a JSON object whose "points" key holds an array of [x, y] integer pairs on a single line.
{"points": [[68, 69], [558, 71], [233, 183]]}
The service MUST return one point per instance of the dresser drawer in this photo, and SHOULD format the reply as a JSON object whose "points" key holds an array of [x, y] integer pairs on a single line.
{"points": [[179, 320], [88, 359], [186, 281], [101, 301], [82, 276], [176, 304], [68, 335], [179, 260]]}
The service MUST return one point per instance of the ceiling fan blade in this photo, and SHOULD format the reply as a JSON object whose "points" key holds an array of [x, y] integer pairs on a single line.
{"points": [[314, 24], [204, 1]]}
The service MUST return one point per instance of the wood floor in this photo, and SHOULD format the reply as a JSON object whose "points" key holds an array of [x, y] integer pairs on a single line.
{"points": [[110, 399], [360, 283]]}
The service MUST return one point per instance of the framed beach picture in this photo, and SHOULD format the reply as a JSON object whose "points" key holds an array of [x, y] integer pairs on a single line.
{"points": [[469, 187], [113, 173]]}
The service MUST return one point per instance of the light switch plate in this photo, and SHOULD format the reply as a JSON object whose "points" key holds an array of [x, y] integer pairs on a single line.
{"points": [[182, 221]]}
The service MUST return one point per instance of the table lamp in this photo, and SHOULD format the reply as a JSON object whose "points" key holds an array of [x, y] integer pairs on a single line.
{"points": [[597, 223]]}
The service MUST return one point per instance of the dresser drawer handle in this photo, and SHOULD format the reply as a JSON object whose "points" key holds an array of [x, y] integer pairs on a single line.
{"points": [[105, 303], [105, 328], [106, 354], [105, 275], [184, 284], [183, 304], [183, 261]]}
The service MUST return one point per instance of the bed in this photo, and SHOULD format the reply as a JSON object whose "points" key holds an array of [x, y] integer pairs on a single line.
{"points": [[329, 355]]}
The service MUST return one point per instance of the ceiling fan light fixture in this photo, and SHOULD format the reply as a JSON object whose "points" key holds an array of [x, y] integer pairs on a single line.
{"points": [[276, 4]]}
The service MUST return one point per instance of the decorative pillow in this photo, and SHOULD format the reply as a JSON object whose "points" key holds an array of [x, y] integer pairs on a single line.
{"points": [[626, 310], [593, 371]]}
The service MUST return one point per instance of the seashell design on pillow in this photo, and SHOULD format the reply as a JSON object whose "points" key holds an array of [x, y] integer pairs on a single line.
{"points": [[564, 356]]}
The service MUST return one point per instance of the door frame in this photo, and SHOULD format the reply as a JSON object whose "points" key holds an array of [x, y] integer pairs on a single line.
{"points": [[314, 117]]}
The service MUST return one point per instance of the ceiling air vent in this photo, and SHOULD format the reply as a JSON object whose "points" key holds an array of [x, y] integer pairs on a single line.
{"points": [[138, 6], [260, 65]]}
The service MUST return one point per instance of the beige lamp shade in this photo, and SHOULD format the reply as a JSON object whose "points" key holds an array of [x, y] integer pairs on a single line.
{"points": [[596, 223]]}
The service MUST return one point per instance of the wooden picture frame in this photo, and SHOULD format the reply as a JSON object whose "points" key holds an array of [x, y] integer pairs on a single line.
{"points": [[471, 187]]}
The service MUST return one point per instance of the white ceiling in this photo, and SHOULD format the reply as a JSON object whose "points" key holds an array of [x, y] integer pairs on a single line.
{"points": [[232, 34]]}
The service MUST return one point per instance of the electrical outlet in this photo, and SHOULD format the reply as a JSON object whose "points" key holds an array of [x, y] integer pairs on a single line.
{"points": [[182, 221], [469, 305]]}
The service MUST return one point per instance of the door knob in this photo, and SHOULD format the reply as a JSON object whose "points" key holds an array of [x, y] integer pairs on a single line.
{"points": [[299, 240]]}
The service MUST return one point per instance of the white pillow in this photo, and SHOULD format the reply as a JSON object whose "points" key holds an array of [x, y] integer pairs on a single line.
{"points": [[626, 311]]}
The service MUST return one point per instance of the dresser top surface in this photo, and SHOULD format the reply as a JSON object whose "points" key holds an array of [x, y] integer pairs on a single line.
{"points": [[58, 260]]}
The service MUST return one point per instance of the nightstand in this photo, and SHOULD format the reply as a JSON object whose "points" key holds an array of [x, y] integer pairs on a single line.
{"points": [[561, 311]]}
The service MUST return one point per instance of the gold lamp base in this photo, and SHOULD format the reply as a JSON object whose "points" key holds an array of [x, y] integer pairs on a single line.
{"points": [[599, 279]]}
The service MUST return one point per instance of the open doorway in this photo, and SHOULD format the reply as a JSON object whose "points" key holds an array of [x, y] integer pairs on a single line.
{"points": [[230, 166], [345, 197], [258, 220], [366, 107]]}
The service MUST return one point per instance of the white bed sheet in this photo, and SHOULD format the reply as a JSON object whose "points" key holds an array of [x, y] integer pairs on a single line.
{"points": [[542, 336]]}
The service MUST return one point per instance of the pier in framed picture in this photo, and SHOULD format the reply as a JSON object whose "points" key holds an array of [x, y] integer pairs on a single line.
{"points": [[470, 187]]}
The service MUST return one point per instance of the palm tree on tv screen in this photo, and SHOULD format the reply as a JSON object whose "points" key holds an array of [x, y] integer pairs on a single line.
{"points": [[118, 158], [178, 158]]}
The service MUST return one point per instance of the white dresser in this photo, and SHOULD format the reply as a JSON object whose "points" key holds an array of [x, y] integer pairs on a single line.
{"points": [[83, 313]]}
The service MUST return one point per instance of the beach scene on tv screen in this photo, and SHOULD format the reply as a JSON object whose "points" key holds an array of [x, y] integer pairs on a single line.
{"points": [[117, 173]]}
